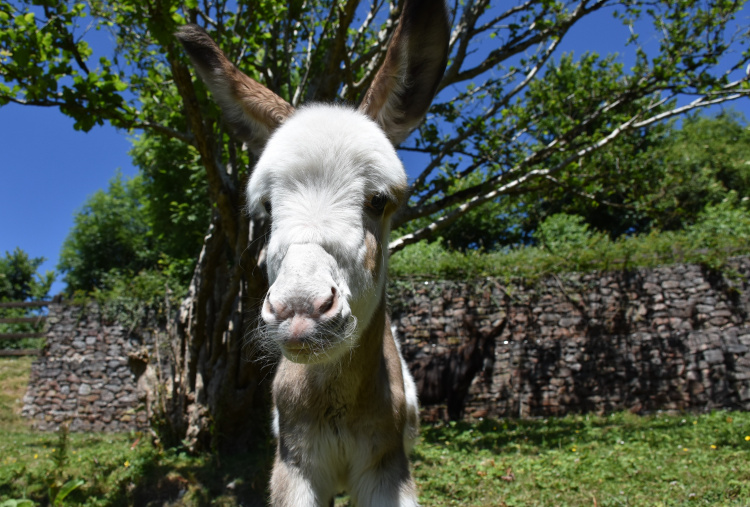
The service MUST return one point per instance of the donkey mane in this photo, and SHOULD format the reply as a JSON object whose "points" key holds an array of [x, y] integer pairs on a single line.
{"points": [[328, 180]]}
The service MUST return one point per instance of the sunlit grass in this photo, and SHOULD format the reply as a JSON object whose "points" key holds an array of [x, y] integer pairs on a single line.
{"points": [[14, 379], [621, 459]]}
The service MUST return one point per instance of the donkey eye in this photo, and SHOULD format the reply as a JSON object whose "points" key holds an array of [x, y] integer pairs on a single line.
{"points": [[267, 206], [377, 203]]}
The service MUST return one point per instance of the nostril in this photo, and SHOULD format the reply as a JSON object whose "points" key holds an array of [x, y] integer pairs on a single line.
{"points": [[328, 303], [277, 309]]}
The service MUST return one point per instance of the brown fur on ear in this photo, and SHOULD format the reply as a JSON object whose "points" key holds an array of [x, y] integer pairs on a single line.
{"points": [[251, 109], [405, 85]]}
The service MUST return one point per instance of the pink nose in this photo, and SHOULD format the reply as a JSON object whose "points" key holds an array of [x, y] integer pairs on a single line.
{"points": [[314, 308]]}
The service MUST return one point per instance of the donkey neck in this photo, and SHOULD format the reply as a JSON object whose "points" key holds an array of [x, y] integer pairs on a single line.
{"points": [[361, 364]]}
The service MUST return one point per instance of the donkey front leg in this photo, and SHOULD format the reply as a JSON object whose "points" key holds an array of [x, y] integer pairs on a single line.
{"points": [[291, 488], [387, 484]]}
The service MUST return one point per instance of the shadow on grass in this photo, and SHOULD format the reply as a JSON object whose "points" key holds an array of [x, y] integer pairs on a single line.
{"points": [[128, 470], [203, 481]]}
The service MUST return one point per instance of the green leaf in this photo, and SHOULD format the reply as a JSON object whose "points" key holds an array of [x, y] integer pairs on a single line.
{"points": [[67, 489], [17, 503]]}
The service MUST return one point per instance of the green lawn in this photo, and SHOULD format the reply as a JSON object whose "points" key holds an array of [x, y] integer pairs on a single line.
{"points": [[14, 377], [617, 460]]}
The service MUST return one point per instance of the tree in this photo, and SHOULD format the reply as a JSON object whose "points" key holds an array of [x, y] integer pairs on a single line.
{"points": [[152, 222], [112, 231], [177, 207], [662, 178], [711, 155], [20, 280], [499, 127], [603, 186]]}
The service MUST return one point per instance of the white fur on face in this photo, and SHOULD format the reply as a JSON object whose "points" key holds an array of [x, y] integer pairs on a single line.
{"points": [[317, 171]]}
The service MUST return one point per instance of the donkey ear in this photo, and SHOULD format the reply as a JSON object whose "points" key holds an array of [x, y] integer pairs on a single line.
{"points": [[251, 109], [405, 85]]}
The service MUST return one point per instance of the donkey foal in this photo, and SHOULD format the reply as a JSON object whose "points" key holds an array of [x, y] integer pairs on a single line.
{"points": [[329, 180]]}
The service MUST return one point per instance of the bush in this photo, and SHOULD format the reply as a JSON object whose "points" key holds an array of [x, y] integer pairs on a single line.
{"points": [[566, 244], [128, 299]]}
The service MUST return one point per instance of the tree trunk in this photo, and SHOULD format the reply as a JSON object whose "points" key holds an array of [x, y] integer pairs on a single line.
{"points": [[220, 387], [220, 397]]}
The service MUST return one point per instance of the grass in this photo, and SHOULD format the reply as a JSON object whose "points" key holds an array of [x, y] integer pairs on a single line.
{"points": [[617, 460], [123, 469], [14, 377]]}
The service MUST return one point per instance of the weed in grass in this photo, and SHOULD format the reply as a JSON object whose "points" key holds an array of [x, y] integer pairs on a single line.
{"points": [[59, 483]]}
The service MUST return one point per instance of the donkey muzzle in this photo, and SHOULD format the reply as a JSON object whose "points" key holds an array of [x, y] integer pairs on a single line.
{"points": [[306, 308]]}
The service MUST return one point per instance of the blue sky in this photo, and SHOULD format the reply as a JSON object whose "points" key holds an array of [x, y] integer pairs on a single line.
{"points": [[47, 169]]}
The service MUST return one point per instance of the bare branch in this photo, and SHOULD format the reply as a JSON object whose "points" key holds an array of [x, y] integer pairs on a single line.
{"points": [[518, 44], [464, 32], [450, 146], [473, 197], [698, 103], [220, 185], [326, 84], [374, 9], [308, 63], [461, 210], [373, 58], [208, 19]]}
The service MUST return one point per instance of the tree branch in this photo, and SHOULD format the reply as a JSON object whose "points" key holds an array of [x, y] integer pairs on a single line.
{"points": [[324, 88], [373, 58], [221, 189], [451, 145], [473, 197], [518, 44]]}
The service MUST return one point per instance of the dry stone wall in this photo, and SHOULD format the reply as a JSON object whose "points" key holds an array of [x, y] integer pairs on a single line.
{"points": [[672, 338], [90, 375]]}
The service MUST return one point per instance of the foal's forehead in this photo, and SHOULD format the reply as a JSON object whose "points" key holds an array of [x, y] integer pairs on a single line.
{"points": [[328, 145]]}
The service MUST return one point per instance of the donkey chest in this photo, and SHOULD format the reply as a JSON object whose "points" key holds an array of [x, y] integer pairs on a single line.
{"points": [[333, 446], [337, 428], [338, 418]]}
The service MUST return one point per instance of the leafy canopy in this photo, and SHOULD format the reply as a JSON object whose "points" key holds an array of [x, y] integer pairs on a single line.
{"points": [[112, 231], [20, 279]]}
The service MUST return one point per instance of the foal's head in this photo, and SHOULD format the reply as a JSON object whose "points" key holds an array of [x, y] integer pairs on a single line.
{"points": [[329, 179]]}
